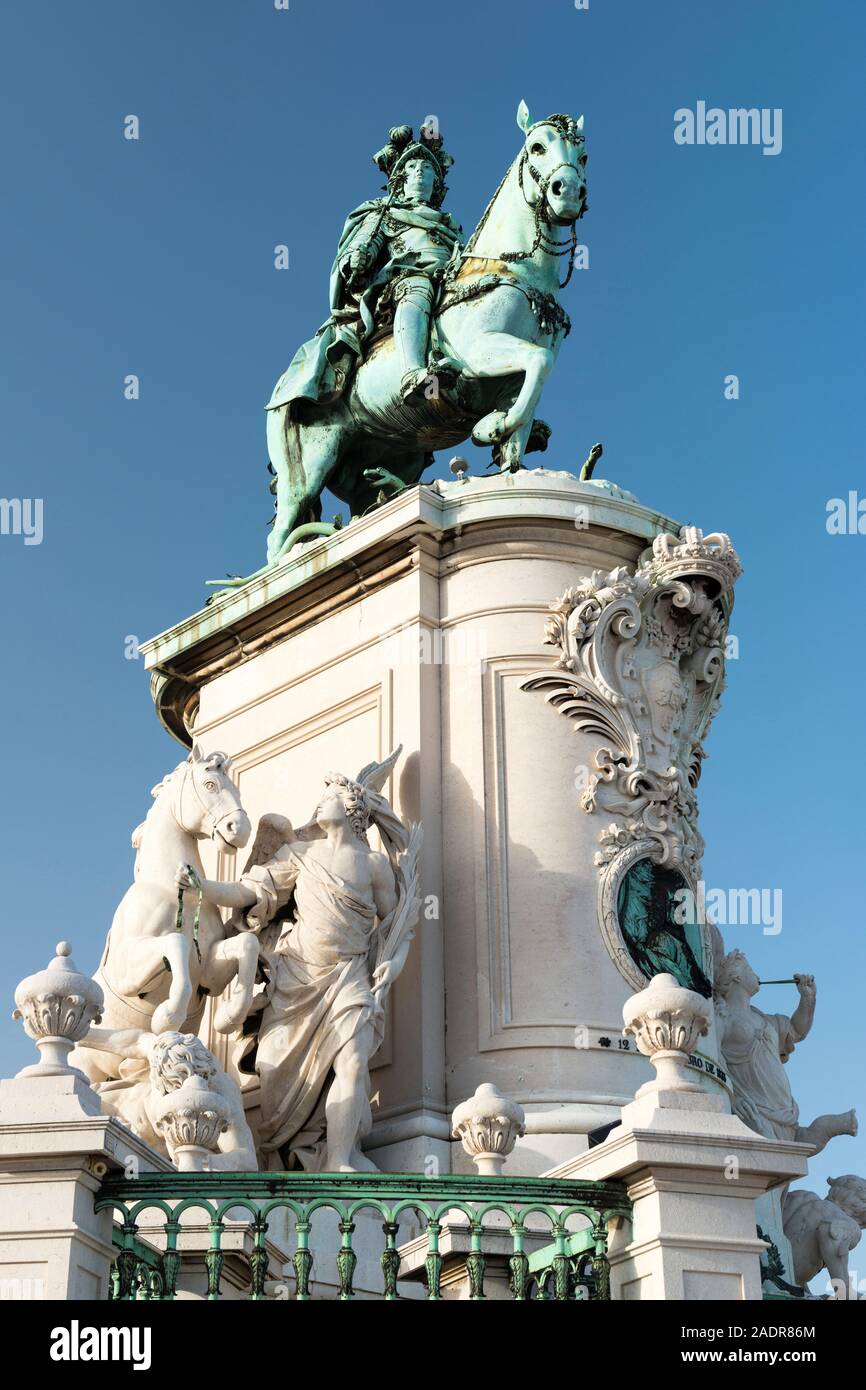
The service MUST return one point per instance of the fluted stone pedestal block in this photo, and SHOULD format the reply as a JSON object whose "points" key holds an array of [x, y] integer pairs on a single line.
{"points": [[423, 624]]}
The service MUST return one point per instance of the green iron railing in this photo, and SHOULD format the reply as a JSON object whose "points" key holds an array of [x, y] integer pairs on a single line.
{"points": [[566, 1220], [146, 1270]]}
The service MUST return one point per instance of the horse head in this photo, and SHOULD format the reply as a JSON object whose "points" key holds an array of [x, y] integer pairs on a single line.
{"points": [[206, 803], [554, 158]]}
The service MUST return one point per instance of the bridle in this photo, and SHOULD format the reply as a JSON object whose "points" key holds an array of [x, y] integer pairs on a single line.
{"points": [[211, 819], [544, 240], [211, 823]]}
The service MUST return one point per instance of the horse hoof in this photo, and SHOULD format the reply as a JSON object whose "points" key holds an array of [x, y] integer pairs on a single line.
{"points": [[276, 540], [491, 429], [231, 1012], [168, 1017]]}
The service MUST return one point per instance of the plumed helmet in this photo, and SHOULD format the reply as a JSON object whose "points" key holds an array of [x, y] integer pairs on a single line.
{"points": [[403, 147]]}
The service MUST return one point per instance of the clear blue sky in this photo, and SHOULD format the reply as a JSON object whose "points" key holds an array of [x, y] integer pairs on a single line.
{"points": [[156, 258]]}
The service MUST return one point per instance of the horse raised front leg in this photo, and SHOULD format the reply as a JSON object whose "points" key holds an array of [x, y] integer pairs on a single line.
{"points": [[512, 449], [140, 964], [230, 970], [501, 354]]}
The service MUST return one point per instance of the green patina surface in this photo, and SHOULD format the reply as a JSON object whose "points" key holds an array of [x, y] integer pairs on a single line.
{"points": [[572, 1263], [429, 340], [658, 942]]}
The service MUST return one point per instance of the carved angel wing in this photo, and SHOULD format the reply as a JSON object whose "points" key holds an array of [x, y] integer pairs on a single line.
{"points": [[275, 831], [372, 776], [375, 775], [272, 833]]}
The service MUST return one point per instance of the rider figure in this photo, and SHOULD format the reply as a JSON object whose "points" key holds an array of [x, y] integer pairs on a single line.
{"points": [[396, 248], [391, 256]]}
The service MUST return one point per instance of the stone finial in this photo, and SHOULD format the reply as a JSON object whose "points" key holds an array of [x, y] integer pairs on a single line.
{"points": [[191, 1120], [57, 1006], [666, 1022], [488, 1125]]}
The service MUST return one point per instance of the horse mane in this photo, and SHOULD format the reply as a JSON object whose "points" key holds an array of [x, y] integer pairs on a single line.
{"points": [[160, 786], [218, 761], [468, 248], [138, 833]]}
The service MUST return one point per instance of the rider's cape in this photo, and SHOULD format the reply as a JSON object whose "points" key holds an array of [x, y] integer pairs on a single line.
{"points": [[322, 366]]}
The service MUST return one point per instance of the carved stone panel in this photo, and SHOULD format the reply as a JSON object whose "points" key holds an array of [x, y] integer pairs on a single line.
{"points": [[641, 669]]}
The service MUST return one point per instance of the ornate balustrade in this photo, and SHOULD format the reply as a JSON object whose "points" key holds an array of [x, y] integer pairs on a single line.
{"points": [[500, 1221]]}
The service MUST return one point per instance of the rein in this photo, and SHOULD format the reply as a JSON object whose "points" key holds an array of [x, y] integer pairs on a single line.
{"points": [[178, 923], [552, 318], [211, 821], [543, 239]]}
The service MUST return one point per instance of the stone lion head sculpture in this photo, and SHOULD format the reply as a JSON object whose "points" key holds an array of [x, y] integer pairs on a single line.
{"points": [[849, 1193], [176, 1057]]}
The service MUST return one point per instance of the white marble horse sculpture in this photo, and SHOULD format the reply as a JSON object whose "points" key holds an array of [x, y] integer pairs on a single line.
{"points": [[158, 964]]}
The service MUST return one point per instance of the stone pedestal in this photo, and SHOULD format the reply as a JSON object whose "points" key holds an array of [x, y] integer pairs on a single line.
{"points": [[420, 624], [694, 1171], [55, 1148], [694, 1177]]}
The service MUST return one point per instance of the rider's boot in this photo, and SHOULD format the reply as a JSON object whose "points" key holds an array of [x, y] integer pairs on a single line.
{"points": [[411, 328]]}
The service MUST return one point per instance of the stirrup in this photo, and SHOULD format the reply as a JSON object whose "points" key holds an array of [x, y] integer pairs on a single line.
{"points": [[447, 369], [412, 381]]}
